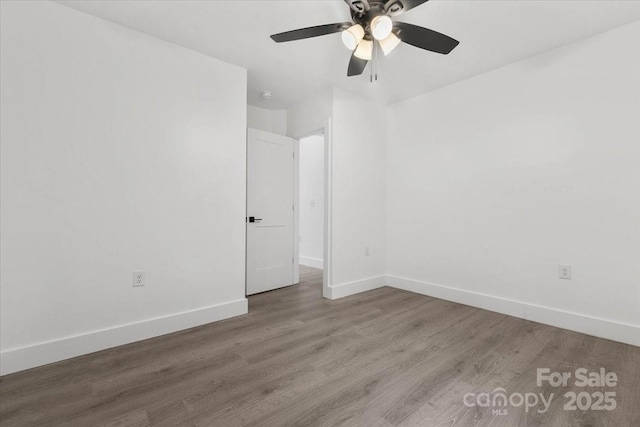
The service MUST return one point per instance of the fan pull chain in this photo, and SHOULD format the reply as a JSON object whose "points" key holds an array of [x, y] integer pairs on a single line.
{"points": [[374, 63]]}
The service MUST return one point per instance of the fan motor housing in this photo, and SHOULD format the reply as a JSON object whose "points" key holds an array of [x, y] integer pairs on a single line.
{"points": [[376, 8], [364, 18]]}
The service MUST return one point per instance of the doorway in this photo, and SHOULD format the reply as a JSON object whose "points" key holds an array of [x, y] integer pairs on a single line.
{"points": [[273, 203], [311, 200]]}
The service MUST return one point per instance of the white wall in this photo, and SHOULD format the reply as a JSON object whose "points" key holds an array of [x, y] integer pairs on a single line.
{"points": [[358, 197], [355, 161], [311, 200], [309, 116], [120, 152], [494, 181], [274, 121]]}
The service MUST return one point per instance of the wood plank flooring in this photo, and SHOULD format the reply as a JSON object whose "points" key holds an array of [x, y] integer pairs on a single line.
{"points": [[381, 358]]}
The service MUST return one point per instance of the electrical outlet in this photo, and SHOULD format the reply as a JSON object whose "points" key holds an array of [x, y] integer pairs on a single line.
{"points": [[564, 271], [299, 238], [366, 251], [138, 278], [312, 204]]}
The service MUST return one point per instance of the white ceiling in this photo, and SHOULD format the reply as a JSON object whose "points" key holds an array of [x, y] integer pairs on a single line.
{"points": [[491, 34]]}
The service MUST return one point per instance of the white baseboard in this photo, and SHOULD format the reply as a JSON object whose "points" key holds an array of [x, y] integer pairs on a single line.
{"points": [[311, 262], [18, 359], [351, 288], [598, 327]]}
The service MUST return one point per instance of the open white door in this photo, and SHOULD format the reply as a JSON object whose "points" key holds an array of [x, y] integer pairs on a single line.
{"points": [[270, 215]]}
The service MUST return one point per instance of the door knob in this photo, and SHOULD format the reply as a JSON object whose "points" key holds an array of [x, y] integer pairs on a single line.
{"points": [[254, 219]]}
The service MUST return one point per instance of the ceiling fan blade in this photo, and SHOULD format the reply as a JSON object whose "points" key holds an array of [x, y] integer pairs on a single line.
{"points": [[396, 7], [359, 6], [356, 65], [305, 33], [424, 38]]}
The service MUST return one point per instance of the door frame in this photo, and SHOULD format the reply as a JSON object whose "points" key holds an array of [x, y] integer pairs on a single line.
{"points": [[327, 270]]}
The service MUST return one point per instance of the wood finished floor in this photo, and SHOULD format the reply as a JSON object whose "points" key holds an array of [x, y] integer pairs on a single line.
{"points": [[381, 358]]}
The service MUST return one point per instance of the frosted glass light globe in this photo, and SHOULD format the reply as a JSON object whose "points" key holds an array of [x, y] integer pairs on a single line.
{"points": [[364, 50], [381, 27], [389, 44], [352, 36]]}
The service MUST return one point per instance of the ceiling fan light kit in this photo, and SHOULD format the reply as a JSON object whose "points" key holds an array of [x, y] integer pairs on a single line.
{"points": [[352, 36], [381, 27], [388, 44], [372, 26], [364, 50]]}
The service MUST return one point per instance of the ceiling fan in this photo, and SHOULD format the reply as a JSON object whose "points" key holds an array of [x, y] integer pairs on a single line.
{"points": [[372, 26]]}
